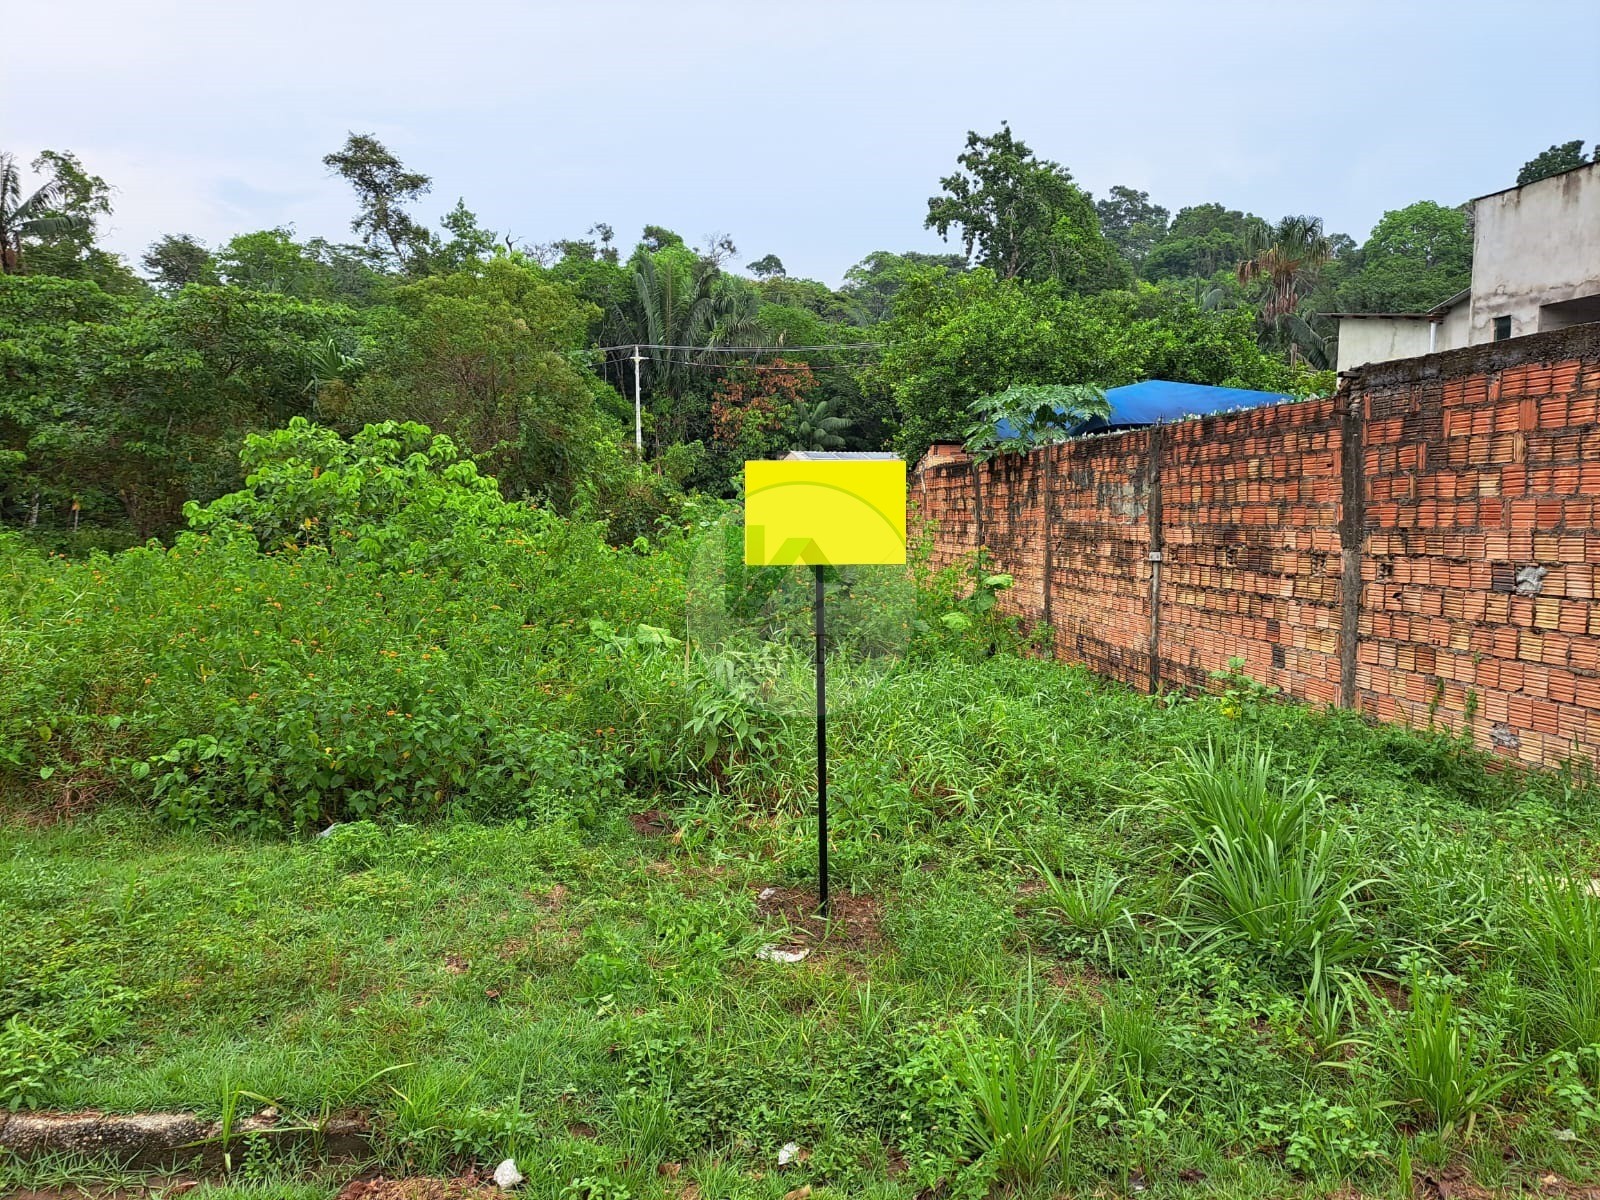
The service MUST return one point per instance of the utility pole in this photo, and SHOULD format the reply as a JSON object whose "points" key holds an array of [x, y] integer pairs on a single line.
{"points": [[638, 412]]}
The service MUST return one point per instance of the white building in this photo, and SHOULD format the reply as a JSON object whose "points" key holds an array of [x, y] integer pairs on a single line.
{"points": [[1535, 266]]}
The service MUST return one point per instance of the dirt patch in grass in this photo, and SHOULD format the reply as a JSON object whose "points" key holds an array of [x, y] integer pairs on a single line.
{"points": [[1390, 989], [1455, 1183], [853, 922], [651, 823], [421, 1187], [1079, 978]]}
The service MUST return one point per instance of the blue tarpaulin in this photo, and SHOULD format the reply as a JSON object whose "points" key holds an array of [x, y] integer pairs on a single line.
{"points": [[1161, 400]]}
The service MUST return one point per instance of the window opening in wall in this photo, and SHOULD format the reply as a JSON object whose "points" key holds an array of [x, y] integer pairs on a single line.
{"points": [[1566, 313], [1502, 328]]}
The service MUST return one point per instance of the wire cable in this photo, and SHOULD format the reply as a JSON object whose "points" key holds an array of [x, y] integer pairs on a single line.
{"points": [[737, 349]]}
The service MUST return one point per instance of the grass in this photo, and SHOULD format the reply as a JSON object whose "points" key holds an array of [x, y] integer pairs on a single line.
{"points": [[1267, 867], [1026, 1090], [1441, 1065], [587, 998]]}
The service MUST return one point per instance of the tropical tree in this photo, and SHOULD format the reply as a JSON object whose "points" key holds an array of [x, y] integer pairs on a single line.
{"points": [[384, 187], [1416, 257], [752, 409], [1554, 161], [486, 358], [817, 426], [176, 260], [1023, 217], [682, 306], [67, 248], [953, 341], [1317, 347], [139, 406], [1201, 241], [32, 217], [1285, 258], [1131, 222], [873, 283], [766, 266]]}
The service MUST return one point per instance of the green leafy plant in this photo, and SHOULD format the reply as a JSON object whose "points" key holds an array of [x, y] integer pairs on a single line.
{"points": [[29, 1058], [1240, 693], [1444, 1066], [1262, 870], [1026, 1088], [1026, 416], [1557, 943]]}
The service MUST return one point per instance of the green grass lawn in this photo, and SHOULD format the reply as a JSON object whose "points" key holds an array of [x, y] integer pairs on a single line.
{"points": [[1065, 956]]}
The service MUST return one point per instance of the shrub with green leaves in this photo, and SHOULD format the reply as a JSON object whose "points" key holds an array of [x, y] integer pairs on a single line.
{"points": [[367, 629], [393, 494]]}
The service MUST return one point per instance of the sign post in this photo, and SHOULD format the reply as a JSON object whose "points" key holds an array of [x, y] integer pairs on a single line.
{"points": [[823, 510], [818, 606]]}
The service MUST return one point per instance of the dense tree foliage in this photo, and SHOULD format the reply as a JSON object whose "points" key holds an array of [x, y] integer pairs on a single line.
{"points": [[1132, 223], [123, 398], [33, 215], [1201, 241], [174, 261], [52, 230], [1553, 161], [1023, 217], [954, 341], [1417, 256]]}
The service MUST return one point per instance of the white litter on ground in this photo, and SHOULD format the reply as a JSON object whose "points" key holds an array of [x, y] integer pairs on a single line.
{"points": [[773, 954], [506, 1175]]}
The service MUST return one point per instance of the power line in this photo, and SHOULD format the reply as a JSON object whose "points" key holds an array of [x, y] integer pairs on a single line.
{"points": [[736, 349], [711, 366]]}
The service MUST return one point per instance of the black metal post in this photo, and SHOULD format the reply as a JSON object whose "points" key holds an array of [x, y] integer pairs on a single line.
{"points": [[822, 751]]}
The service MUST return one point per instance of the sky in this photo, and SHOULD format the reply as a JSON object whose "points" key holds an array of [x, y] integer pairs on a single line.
{"points": [[815, 131]]}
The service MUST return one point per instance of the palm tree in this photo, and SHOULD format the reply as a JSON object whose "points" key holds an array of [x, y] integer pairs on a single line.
{"points": [[815, 427], [680, 310], [32, 217], [1307, 343], [1285, 256]]}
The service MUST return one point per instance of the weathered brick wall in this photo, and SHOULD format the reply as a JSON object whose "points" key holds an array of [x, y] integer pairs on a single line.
{"points": [[1424, 546], [1099, 594], [1100, 577], [1251, 513], [1482, 544]]}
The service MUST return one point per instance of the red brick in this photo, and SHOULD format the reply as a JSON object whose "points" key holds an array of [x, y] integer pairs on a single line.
{"points": [[1467, 478]]}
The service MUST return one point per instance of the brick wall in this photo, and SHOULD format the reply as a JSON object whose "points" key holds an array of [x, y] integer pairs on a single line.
{"points": [[1424, 546]]}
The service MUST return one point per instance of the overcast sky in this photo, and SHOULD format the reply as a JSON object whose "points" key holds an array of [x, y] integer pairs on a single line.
{"points": [[815, 131]]}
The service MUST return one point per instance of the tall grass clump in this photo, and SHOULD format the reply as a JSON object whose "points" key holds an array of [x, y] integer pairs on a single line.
{"points": [[1265, 867], [1443, 1066], [1092, 908], [1026, 1088], [1557, 942]]}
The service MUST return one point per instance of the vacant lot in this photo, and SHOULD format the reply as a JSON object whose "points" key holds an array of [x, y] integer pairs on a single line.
{"points": [[1076, 946], [378, 794]]}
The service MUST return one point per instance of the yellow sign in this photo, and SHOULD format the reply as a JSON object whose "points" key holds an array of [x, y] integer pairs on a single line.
{"points": [[824, 513]]}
